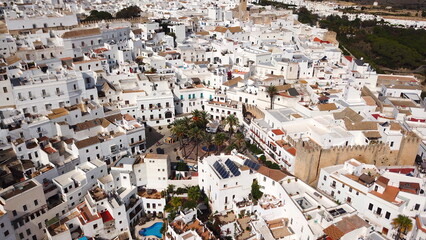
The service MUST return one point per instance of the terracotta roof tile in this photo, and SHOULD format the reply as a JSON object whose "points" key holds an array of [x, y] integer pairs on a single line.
{"points": [[81, 33], [274, 174]]}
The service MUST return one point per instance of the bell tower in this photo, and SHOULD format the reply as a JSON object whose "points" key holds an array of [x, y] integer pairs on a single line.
{"points": [[242, 10]]}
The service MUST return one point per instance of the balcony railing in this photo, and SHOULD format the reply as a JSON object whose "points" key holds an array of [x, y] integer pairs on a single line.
{"points": [[378, 214]]}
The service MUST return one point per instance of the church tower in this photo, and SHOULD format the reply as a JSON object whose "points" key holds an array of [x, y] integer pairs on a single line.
{"points": [[242, 10]]}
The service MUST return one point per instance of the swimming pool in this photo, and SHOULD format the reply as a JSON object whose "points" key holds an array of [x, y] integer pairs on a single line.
{"points": [[154, 230]]}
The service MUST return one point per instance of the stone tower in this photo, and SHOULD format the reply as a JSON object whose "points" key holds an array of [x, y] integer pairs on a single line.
{"points": [[242, 10]]}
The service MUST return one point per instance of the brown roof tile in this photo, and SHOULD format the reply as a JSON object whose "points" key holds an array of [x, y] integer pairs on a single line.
{"points": [[87, 142], [81, 33], [327, 107], [274, 174]]}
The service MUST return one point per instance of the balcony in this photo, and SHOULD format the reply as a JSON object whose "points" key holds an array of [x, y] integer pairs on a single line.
{"points": [[378, 214], [59, 93], [45, 95], [155, 107], [333, 185]]}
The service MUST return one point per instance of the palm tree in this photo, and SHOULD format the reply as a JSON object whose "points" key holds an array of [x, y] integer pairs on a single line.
{"points": [[196, 136], [208, 139], [403, 224], [272, 91], [200, 118], [232, 121], [230, 147], [194, 193], [219, 140], [179, 130], [239, 141], [170, 189]]}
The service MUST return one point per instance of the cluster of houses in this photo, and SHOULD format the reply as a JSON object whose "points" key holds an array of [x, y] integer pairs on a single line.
{"points": [[78, 101]]}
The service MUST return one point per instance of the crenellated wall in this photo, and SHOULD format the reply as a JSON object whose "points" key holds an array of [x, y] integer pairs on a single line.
{"points": [[310, 157]]}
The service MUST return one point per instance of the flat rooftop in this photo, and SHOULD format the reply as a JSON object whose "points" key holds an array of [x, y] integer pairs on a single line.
{"points": [[18, 189]]}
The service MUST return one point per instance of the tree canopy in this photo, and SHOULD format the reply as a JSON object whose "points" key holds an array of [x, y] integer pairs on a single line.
{"points": [[129, 12], [381, 45], [256, 194], [403, 224], [98, 15]]}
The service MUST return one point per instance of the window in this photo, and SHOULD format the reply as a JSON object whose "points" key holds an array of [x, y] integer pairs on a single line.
{"points": [[95, 226], [28, 232], [6, 233], [417, 206], [35, 202], [370, 206], [21, 236], [25, 207], [387, 215], [379, 211], [5, 89]]}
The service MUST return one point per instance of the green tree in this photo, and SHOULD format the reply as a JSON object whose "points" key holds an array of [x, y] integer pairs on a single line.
{"points": [[208, 140], [306, 16], [196, 135], [231, 121], [239, 141], [272, 91], [200, 118], [230, 147], [181, 166], [98, 15], [179, 129], [129, 12], [171, 189], [219, 140], [256, 194], [194, 193], [403, 224], [176, 202]]}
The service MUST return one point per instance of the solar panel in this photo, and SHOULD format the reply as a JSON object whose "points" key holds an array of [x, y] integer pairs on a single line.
{"points": [[333, 213], [341, 211], [221, 170], [251, 164], [232, 167]]}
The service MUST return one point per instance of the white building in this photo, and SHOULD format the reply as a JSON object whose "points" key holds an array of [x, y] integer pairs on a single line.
{"points": [[379, 195]]}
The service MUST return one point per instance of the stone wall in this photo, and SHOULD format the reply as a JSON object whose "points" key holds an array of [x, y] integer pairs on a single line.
{"points": [[310, 157]]}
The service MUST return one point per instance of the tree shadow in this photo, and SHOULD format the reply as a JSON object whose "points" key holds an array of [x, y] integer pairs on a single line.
{"points": [[152, 136]]}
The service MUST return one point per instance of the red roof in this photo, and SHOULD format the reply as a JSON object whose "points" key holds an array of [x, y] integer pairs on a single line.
{"points": [[277, 132], [401, 170], [100, 50], [292, 151], [106, 216], [320, 41], [49, 150], [349, 58], [417, 120], [375, 115]]}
